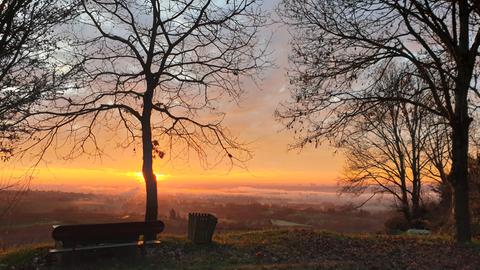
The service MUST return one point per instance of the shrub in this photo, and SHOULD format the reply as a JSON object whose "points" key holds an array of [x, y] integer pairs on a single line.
{"points": [[396, 224]]}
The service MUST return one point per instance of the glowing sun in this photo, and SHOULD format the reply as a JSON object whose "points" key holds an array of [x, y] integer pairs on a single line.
{"points": [[139, 176]]}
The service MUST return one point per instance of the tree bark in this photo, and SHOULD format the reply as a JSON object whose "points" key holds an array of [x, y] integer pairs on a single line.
{"points": [[460, 181], [405, 203], [460, 143], [460, 127], [151, 211], [415, 203], [416, 187]]}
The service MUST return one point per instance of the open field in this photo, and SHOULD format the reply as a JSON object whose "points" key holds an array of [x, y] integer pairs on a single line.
{"points": [[31, 221], [273, 249]]}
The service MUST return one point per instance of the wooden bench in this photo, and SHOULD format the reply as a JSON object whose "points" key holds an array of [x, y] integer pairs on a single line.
{"points": [[69, 238]]}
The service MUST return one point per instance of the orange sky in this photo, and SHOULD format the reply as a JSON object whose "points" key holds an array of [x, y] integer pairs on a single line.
{"points": [[252, 120]]}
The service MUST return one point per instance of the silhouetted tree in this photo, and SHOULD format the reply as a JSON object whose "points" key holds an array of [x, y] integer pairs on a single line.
{"points": [[159, 69], [438, 151], [386, 147], [28, 64], [339, 45], [31, 72]]}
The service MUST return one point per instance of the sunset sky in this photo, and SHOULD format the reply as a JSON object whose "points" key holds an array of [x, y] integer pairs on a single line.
{"points": [[252, 120]]}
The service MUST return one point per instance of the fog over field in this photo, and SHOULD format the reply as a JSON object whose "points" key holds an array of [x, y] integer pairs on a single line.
{"points": [[264, 193], [238, 208]]}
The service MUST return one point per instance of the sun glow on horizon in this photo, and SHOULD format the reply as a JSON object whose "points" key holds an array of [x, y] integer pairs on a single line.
{"points": [[139, 176]]}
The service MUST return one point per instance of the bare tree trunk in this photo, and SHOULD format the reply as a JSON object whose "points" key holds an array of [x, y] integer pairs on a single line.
{"points": [[406, 208], [460, 141], [416, 188], [460, 127], [405, 203], [416, 200], [151, 212], [460, 180], [402, 169]]}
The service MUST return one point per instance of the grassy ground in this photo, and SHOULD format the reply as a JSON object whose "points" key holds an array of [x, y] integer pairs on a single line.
{"points": [[282, 249]]}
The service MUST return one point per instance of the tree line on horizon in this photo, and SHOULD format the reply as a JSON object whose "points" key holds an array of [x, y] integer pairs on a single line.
{"points": [[391, 83]]}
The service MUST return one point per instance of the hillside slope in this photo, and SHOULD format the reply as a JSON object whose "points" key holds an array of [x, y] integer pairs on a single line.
{"points": [[279, 249]]}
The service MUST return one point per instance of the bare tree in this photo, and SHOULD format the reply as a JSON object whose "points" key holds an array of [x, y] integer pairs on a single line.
{"points": [[159, 69], [28, 43], [438, 151], [29, 74], [338, 44], [385, 148]]}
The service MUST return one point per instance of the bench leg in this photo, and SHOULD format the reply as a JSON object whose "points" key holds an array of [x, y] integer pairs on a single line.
{"points": [[143, 251]]}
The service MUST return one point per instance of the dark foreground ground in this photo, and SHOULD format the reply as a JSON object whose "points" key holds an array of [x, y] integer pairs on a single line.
{"points": [[274, 249]]}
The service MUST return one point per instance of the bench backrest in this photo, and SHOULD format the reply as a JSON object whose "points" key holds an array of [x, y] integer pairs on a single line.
{"points": [[84, 234]]}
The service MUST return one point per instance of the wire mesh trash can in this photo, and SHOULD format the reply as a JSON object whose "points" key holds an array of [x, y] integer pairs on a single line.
{"points": [[201, 227]]}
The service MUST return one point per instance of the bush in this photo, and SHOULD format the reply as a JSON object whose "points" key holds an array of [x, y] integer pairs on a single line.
{"points": [[421, 224], [396, 224]]}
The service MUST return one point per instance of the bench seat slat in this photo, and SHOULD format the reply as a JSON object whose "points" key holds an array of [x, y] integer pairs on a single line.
{"points": [[60, 250], [99, 236], [139, 243]]}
